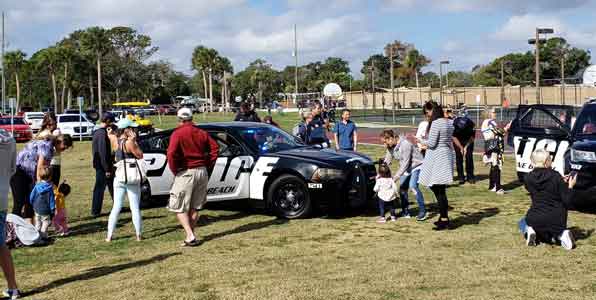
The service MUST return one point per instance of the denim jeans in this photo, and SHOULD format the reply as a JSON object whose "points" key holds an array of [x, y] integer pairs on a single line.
{"points": [[101, 182], [410, 182], [523, 226], [383, 204], [133, 191]]}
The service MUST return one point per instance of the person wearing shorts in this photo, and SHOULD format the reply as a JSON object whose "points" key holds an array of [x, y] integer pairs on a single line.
{"points": [[191, 153]]}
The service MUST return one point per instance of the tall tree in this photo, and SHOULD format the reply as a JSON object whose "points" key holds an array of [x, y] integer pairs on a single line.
{"points": [[414, 61], [203, 59], [48, 59], [14, 61], [96, 41]]}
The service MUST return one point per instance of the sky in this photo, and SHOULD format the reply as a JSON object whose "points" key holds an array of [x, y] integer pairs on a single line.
{"points": [[465, 32]]}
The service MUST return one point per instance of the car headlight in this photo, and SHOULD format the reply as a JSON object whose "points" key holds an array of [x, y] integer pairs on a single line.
{"points": [[585, 156], [324, 174]]}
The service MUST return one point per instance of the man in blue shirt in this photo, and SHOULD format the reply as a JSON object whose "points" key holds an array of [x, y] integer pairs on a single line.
{"points": [[346, 137]]}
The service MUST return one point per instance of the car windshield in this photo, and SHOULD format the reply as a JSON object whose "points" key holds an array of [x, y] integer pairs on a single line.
{"points": [[269, 139], [586, 122], [15, 121], [73, 118]]}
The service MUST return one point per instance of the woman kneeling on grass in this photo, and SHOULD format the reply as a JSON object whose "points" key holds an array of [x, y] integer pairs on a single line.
{"points": [[546, 220]]}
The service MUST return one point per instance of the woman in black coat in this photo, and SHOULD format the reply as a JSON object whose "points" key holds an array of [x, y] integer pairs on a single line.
{"points": [[546, 220]]}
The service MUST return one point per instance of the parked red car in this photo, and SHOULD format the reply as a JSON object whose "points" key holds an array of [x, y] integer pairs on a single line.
{"points": [[22, 131]]}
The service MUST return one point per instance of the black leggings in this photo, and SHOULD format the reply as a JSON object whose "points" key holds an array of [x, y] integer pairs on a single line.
{"points": [[440, 191], [55, 174], [494, 178], [21, 185]]}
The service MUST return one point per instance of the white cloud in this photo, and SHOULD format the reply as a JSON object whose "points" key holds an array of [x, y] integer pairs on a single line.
{"points": [[516, 6], [523, 27]]}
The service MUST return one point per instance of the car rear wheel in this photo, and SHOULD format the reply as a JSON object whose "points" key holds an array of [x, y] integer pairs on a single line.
{"points": [[289, 197]]}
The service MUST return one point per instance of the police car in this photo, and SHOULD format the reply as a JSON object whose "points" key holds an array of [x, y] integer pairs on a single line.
{"points": [[270, 168], [571, 141]]}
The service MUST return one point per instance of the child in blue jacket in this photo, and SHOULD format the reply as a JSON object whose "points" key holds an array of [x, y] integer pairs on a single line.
{"points": [[43, 201]]}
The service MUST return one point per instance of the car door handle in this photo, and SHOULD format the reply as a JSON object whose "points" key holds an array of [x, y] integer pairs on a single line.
{"points": [[150, 161]]}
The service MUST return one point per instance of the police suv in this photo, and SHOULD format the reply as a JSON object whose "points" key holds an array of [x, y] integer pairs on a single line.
{"points": [[270, 168], [570, 140]]}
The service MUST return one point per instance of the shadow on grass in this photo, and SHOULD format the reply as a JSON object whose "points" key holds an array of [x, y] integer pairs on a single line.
{"points": [[512, 185], [244, 228], [101, 226], [206, 219], [99, 272], [473, 218], [581, 234]]}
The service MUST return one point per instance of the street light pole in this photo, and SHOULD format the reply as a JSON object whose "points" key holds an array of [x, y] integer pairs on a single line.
{"points": [[563, 76], [536, 41], [444, 62], [441, 83], [392, 82], [502, 82], [296, 63]]}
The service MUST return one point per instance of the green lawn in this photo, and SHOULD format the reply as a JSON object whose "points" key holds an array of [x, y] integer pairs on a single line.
{"points": [[256, 256]]}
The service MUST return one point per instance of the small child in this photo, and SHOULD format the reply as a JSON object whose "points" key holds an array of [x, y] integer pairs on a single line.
{"points": [[43, 202], [60, 219], [386, 190]]}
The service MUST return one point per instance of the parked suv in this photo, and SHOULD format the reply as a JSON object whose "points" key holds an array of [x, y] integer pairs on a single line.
{"points": [[570, 140], [582, 157]]}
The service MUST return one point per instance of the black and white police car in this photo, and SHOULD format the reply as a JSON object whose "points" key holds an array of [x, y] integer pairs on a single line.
{"points": [[270, 168], [572, 141]]}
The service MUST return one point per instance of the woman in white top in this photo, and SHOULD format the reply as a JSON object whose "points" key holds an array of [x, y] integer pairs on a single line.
{"points": [[422, 132]]}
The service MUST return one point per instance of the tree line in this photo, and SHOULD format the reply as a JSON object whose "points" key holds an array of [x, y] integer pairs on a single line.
{"points": [[106, 65]]}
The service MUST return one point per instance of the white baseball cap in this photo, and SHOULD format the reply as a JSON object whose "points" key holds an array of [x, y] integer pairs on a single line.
{"points": [[185, 114]]}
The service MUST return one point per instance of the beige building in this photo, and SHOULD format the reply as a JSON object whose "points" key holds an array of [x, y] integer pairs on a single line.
{"points": [[410, 97]]}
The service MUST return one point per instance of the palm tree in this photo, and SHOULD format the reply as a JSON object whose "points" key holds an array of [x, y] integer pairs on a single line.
{"points": [[66, 52], [415, 61], [96, 41], [203, 60], [14, 61], [49, 59]]}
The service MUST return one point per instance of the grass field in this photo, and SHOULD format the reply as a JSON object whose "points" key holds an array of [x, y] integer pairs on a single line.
{"points": [[248, 255]]}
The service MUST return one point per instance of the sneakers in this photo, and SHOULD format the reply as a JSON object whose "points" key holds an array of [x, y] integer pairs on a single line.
{"points": [[11, 294], [422, 217], [381, 220], [393, 219], [405, 215], [530, 236], [501, 192], [567, 240], [493, 189]]}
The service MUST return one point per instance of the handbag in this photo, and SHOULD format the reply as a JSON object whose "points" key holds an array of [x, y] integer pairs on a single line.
{"points": [[129, 170]]}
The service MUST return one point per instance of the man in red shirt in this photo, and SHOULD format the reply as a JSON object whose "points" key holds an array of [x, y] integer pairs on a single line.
{"points": [[190, 154]]}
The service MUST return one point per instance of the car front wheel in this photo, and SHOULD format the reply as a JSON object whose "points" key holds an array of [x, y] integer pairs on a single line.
{"points": [[289, 197]]}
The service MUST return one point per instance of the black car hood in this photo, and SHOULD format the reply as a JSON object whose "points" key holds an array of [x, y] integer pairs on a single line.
{"points": [[585, 144], [324, 156]]}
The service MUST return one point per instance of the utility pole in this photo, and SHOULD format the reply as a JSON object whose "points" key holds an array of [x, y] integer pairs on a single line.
{"points": [[2, 65], [563, 76], [296, 63], [372, 75], [538, 98], [392, 82], [502, 82]]}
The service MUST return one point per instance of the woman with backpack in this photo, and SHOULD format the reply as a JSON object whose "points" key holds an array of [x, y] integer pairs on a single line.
{"points": [[128, 177]]}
